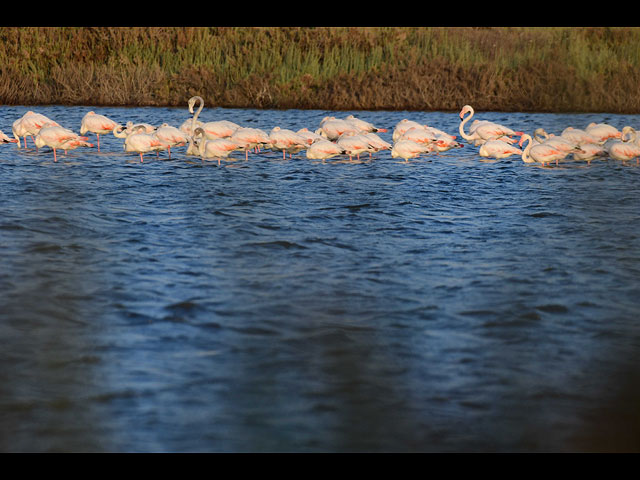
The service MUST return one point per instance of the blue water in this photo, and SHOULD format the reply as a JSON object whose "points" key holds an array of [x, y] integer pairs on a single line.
{"points": [[451, 303]]}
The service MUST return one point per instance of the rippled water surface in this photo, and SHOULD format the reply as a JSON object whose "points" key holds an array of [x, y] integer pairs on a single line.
{"points": [[450, 303]]}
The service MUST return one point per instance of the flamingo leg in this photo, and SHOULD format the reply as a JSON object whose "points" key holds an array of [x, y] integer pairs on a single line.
{"points": [[98, 135], [141, 161], [55, 158]]}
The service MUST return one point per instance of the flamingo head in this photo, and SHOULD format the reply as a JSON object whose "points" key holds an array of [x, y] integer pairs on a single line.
{"points": [[466, 109]]}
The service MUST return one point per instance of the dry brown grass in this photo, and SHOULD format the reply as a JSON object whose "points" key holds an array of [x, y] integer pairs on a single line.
{"points": [[528, 68]]}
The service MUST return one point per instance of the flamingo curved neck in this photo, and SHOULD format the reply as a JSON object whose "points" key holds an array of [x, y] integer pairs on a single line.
{"points": [[119, 132], [200, 107], [463, 123], [525, 152]]}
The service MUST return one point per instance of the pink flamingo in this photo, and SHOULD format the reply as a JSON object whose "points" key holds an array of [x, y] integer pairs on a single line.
{"points": [[171, 136], [445, 142], [309, 135], [483, 130], [589, 151], [498, 149], [5, 139], [58, 137], [623, 151], [215, 148], [354, 144], [287, 141], [332, 128], [139, 141], [540, 153], [192, 123], [578, 136], [98, 124], [602, 131], [250, 138], [323, 149], [219, 129], [409, 149], [376, 142], [363, 125], [402, 126], [418, 134], [30, 124]]}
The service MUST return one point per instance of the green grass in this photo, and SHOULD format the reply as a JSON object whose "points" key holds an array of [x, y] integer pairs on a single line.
{"points": [[409, 68]]}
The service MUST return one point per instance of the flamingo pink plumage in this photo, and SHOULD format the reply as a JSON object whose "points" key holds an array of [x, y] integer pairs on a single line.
{"points": [[540, 153], [409, 149], [363, 125], [171, 136], [332, 128], [98, 124], [58, 137], [5, 139], [324, 149], [354, 144], [498, 149], [602, 131], [250, 138], [287, 141], [30, 124], [619, 150], [139, 141], [484, 130]]}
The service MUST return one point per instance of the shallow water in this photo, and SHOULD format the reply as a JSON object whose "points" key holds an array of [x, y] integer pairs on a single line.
{"points": [[451, 303]]}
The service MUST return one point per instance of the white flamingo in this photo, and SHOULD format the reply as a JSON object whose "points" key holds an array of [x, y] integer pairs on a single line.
{"points": [[310, 136], [602, 131], [363, 125], [619, 150], [287, 141], [137, 127], [332, 128], [30, 125], [402, 126], [483, 130], [589, 151], [216, 148], [57, 137], [190, 124], [354, 144], [250, 139], [418, 134], [578, 136], [324, 149], [498, 149], [377, 143], [629, 134], [409, 149], [5, 139], [98, 124], [171, 136], [540, 153], [139, 141]]}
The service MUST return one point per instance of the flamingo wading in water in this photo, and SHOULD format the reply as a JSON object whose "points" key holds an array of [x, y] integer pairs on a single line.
{"points": [[58, 137], [139, 141], [483, 130], [98, 124]]}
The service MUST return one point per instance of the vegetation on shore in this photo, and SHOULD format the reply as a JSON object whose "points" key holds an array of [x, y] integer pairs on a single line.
{"points": [[546, 69]]}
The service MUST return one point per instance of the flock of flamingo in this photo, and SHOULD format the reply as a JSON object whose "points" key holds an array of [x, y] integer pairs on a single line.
{"points": [[334, 137]]}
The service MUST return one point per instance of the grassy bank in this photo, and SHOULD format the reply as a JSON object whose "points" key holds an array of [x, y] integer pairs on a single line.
{"points": [[408, 68]]}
